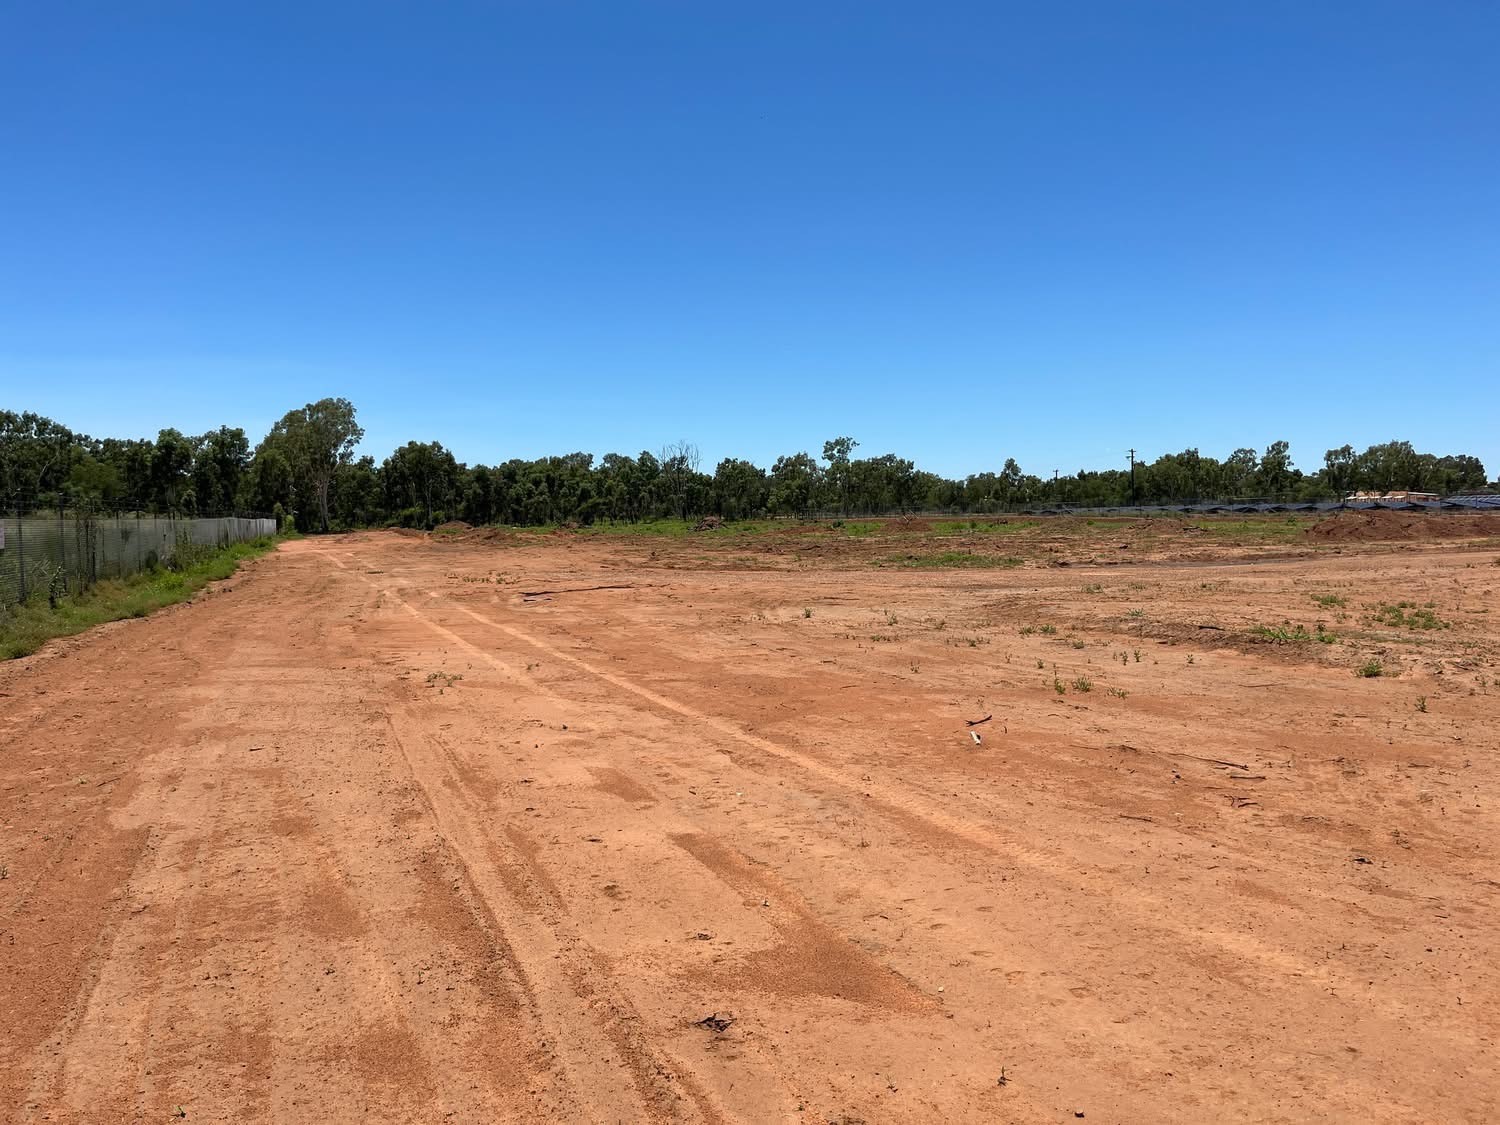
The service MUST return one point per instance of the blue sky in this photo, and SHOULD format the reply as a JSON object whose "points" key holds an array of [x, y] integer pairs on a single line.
{"points": [[1050, 230]]}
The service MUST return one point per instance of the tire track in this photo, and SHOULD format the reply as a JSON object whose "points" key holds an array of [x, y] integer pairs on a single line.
{"points": [[593, 1036], [923, 821]]}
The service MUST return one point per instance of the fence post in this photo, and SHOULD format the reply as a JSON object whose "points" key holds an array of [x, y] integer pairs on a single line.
{"points": [[21, 547], [62, 545]]}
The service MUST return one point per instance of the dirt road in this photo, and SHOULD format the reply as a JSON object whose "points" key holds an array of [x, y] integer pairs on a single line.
{"points": [[588, 830]]}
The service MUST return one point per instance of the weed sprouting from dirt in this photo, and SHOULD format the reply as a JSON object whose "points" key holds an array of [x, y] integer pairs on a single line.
{"points": [[1283, 634], [1422, 704], [807, 612], [1409, 615], [1083, 683], [1370, 669], [1328, 601]]}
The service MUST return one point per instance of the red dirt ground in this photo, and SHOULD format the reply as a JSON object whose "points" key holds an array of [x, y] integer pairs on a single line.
{"points": [[481, 829], [1367, 527]]}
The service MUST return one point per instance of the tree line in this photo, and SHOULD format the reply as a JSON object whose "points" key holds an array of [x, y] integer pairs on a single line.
{"points": [[305, 471]]}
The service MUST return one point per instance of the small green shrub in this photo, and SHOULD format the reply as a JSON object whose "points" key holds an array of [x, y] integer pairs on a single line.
{"points": [[1409, 615], [1282, 634]]}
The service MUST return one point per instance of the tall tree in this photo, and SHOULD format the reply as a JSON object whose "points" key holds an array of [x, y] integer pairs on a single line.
{"points": [[836, 452], [170, 472], [739, 489], [219, 462], [1338, 470], [315, 441], [420, 476], [794, 481]]}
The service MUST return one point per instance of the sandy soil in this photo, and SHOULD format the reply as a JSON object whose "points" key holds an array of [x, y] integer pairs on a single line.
{"points": [[599, 829]]}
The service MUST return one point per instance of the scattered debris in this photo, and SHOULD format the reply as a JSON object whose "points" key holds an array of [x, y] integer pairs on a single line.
{"points": [[977, 722], [974, 734], [708, 523], [1002, 1080], [1129, 816], [1362, 859], [716, 1022], [1248, 776]]}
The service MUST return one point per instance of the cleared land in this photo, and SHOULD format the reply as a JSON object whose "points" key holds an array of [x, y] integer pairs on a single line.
{"points": [[496, 826]]}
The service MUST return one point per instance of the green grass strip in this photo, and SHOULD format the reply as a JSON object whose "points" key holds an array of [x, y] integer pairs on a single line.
{"points": [[24, 628]]}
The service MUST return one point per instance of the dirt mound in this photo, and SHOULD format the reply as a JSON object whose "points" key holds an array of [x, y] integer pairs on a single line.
{"points": [[454, 525], [1365, 527]]}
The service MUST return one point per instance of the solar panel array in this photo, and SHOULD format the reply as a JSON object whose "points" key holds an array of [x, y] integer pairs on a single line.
{"points": [[1475, 502]]}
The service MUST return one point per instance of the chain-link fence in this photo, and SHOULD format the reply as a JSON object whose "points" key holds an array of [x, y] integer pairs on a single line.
{"points": [[69, 549]]}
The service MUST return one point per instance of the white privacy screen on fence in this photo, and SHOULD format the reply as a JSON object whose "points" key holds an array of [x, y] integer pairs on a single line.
{"points": [[72, 550]]}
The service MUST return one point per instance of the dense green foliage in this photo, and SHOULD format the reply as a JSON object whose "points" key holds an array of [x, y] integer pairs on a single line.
{"points": [[305, 469]]}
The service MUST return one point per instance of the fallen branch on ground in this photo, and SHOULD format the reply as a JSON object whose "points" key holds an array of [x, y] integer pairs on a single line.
{"points": [[574, 590]]}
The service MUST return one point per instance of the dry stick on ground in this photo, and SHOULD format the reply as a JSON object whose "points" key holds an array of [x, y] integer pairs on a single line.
{"points": [[1201, 758], [575, 590], [1182, 754], [976, 722]]}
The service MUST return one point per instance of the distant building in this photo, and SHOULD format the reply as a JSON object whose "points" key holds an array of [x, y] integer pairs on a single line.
{"points": [[1394, 497]]}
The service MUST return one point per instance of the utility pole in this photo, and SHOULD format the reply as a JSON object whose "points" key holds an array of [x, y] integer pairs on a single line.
{"points": [[1132, 477]]}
